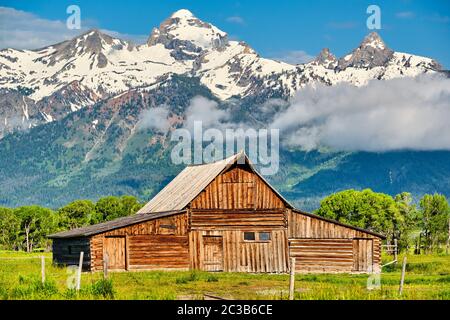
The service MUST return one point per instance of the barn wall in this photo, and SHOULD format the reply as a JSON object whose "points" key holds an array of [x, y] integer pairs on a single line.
{"points": [[158, 252], [376, 254], [67, 251], [303, 226], [217, 219], [235, 202], [156, 244], [322, 246], [237, 188], [239, 255], [324, 255]]}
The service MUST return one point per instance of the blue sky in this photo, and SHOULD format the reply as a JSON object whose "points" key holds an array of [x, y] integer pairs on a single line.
{"points": [[281, 28]]}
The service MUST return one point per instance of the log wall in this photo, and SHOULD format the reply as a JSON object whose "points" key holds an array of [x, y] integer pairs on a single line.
{"points": [[323, 246], [303, 226], [67, 251], [155, 244], [158, 252], [216, 219], [322, 255]]}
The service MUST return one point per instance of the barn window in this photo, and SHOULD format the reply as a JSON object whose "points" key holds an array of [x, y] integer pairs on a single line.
{"points": [[264, 236], [70, 249], [249, 236]]}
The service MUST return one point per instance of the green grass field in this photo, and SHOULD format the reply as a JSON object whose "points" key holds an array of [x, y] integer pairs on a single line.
{"points": [[427, 277]]}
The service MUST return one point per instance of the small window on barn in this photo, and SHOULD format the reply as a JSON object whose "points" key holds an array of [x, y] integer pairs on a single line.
{"points": [[70, 249], [249, 236], [264, 236]]}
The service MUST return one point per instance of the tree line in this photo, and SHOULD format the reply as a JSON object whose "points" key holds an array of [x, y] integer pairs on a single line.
{"points": [[423, 226], [26, 228]]}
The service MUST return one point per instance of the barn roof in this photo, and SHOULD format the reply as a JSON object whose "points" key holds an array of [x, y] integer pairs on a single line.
{"points": [[112, 225], [187, 185]]}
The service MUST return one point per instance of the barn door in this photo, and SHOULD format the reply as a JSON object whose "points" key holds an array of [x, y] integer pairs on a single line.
{"points": [[213, 253], [363, 255], [114, 247]]}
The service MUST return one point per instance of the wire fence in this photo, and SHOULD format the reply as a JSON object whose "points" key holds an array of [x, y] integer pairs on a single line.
{"points": [[40, 266], [391, 249]]}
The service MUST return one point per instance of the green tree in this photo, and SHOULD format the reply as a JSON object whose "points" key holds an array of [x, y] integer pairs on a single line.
{"points": [[110, 208], [131, 205], [9, 229], [365, 209], [408, 219], [76, 214], [36, 223], [434, 214]]}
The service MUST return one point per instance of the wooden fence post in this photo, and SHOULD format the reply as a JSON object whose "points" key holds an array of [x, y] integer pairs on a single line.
{"points": [[105, 266], [395, 249], [448, 238], [43, 269], [402, 279], [292, 280], [80, 269]]}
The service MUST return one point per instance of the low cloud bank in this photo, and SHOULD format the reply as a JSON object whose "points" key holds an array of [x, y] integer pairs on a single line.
{"points": [[399, 114]]}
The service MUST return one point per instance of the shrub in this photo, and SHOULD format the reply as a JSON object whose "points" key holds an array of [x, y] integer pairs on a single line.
{"points": [[33, 288], [191, 277], [70, 294], [103, 288], [212, 278]]}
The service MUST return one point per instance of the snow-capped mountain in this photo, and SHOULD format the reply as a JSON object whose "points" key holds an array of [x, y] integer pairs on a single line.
{"points": [[49, 83]]}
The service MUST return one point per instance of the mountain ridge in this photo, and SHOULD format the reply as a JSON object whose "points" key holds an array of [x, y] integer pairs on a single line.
{"points": [[95, 66]]}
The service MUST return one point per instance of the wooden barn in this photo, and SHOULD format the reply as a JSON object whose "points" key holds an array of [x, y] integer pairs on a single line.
{"points": [[222, 216]]}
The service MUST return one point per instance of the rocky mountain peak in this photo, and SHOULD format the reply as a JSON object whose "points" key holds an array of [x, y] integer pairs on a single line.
{"points": [[92, 40], [187, 35], [93, 43], [372, 52], [326, 59], [373, 40]]}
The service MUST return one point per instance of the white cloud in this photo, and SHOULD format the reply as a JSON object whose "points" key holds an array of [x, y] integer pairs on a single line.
{"points": [[155, 118], [24, 30], [206, 111], [294, 57], [236, 20], [399, 114]]}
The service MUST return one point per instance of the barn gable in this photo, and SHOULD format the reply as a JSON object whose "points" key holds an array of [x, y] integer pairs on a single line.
{"points": [[200, 185], [239, 187]]}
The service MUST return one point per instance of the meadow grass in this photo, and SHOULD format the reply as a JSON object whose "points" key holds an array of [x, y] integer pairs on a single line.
{"points": [[427, 277]]}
